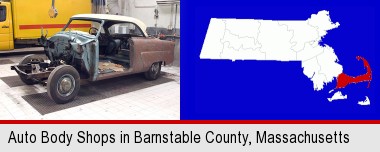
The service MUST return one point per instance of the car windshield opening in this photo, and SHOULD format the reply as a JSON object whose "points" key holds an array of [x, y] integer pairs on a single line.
{"points": [[83, 25]]}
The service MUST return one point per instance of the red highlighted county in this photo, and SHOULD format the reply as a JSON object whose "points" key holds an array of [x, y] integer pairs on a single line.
{"points": [[343, 79]]}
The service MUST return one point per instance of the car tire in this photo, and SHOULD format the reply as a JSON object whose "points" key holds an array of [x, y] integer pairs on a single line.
{"points": [[31, 57], [63, 84], [154, 71], [25, 60]]}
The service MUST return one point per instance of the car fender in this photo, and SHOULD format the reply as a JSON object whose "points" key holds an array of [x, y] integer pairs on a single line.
{"points": [[147, 51]]}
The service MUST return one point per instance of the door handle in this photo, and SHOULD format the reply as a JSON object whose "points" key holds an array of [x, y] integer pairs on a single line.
{"points": [[5, 26]]}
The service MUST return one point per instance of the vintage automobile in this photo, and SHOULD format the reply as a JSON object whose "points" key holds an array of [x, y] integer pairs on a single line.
{"points": [[114, 46]]}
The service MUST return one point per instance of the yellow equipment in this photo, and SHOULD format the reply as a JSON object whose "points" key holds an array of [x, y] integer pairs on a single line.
{"points": [[21, 20]]}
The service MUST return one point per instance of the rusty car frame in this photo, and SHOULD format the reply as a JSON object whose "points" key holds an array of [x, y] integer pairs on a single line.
{"points": [[101, 53]]}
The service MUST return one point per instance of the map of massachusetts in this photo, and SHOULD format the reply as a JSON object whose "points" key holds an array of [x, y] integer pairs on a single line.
{"points": [[283, 41]]}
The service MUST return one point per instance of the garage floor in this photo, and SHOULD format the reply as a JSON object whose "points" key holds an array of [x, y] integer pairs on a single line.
{"points": [[130, 97]]}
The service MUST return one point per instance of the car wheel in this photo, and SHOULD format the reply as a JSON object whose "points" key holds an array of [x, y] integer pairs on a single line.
{"points": [[29, 58], [154, 71], [63, 84], [25, 60]]}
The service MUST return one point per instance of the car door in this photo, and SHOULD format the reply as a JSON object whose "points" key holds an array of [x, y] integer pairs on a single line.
{"points": [[4, 28]]}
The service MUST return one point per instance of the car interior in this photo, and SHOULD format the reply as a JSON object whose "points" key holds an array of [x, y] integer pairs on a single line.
{"points": [[114, 48]]}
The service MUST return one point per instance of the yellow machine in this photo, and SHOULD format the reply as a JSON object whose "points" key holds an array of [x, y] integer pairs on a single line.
{"points": [[21, 21]]}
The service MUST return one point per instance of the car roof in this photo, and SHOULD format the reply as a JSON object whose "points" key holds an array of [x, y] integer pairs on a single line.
{"points": [[109, 17]]}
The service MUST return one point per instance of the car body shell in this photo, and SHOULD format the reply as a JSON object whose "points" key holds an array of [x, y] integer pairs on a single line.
{"points": [[81, 49], [76, 55]]}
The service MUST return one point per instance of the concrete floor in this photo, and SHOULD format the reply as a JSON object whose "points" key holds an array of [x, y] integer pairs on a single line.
{"points": [[161, 101]]}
